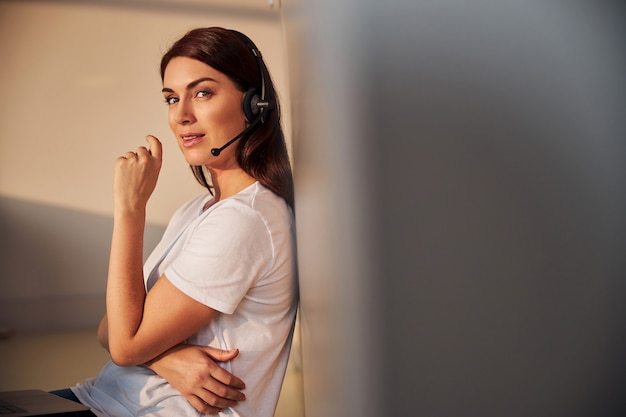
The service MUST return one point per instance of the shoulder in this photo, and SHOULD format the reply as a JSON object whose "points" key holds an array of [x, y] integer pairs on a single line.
{"points": [[254, 217], [260, 203]]}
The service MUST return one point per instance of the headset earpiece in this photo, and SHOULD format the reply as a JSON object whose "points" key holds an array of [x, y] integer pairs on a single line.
{"points": [[250, 103]]}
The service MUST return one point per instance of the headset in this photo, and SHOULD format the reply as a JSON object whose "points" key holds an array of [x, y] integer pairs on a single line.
{"points": [[255, 105], [254, 101]]}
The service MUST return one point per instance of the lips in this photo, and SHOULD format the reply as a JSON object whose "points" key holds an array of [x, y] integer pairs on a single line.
{"points": [[190, 139], [190, 136]]}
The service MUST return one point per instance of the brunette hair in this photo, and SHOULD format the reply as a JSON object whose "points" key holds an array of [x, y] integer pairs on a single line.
{"points": [[261, 152]]}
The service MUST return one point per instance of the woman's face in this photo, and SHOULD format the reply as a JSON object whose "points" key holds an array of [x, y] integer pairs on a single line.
{"points": [[205, 110]]}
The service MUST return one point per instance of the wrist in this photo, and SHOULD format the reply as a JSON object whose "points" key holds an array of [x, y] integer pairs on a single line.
{"points": [[129, 211], [154, 363]]}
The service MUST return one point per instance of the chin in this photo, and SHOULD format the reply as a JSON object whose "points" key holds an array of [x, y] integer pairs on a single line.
{"points": [[198, 158], [197, 162]]}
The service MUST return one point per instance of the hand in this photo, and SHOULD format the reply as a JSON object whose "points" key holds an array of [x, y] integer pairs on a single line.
{"points": [[193, 371], [136, 174]]}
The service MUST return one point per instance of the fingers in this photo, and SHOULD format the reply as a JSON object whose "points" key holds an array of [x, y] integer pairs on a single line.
{"points": [[228, 380], [155, 148], [202, 406], [221, 355], [221, 398], [213, 397], [220, 374]]}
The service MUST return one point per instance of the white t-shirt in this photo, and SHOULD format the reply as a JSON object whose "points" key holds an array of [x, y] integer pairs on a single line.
{"points": [[237, 257]]}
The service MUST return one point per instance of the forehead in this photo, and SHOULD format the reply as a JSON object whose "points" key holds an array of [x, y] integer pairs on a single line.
{"points": [[181, 71]]}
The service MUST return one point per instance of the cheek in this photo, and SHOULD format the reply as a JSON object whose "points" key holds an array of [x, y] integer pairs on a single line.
{"points": [[232, 110], [231, 116], [171, 120]]}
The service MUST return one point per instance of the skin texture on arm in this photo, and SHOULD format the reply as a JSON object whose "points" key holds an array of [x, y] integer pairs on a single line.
{"points": [[142, 326], [103, 333]]}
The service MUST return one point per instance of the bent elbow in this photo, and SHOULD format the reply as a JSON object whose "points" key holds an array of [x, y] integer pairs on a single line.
{"points": [[122, 360], [124, 357]]}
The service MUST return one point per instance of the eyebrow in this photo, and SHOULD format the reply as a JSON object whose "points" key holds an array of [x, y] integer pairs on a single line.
{"points": [[191, 84]]}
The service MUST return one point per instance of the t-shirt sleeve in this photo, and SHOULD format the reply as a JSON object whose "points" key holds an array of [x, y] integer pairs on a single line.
{"points": [[223, 257]]}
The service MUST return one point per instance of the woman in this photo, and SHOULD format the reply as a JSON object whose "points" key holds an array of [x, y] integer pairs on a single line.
{"points": [[224, 273]]}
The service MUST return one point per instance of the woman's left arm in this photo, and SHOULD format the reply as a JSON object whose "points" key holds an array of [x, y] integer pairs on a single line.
{"points": [[140, 326]]}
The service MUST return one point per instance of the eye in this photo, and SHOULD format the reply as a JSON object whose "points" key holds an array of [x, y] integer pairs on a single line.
{"points": [[204, 94], [171, 100]]}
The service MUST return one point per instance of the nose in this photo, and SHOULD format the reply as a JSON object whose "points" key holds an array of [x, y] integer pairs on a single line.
{"points": [[183, 113]]}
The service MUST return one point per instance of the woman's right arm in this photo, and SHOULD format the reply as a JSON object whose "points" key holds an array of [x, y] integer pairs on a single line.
{"points": [[194, 372]]}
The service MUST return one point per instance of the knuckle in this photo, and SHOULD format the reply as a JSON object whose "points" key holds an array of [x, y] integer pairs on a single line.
{"points": [[230, 380], [221, 391], [195, 377], [212, 400]]}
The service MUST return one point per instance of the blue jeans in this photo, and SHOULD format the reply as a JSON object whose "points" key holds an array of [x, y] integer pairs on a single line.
{"points": [[69, 395]]}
